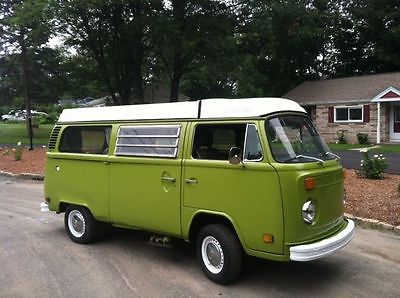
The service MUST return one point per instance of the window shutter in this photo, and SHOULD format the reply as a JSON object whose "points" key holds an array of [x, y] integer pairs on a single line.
{"points": [[366, 113], [330, 115]]}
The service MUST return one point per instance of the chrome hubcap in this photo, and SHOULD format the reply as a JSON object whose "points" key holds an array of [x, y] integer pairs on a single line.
{"points": [[76, 223], [212, 254]]}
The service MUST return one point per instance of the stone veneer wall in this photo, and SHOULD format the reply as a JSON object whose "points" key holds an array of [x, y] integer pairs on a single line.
{"points": [[385, 117], [329, 131]]}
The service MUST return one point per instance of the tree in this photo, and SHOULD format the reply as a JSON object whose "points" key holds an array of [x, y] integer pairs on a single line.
{"points": [[368, 37], [24, 29], [191, 34], [284, 42], [114, 34], [79, 77]]}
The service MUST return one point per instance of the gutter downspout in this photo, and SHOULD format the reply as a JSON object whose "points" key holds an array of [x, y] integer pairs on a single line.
{"points": [[378, 127]]}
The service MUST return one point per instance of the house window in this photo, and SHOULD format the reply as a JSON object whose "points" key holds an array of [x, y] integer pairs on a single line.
{"points": [[397, 114], [349, 114]]}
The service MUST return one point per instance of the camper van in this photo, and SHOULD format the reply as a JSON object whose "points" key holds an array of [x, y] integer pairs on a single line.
{"points": [[232, 176]]}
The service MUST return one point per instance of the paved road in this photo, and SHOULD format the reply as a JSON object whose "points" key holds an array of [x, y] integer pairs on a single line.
{"points": [[37, 259], [351, 159]]}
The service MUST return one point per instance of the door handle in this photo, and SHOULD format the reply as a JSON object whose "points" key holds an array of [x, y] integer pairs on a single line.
{"points": [[191, 181], [168, 179]]}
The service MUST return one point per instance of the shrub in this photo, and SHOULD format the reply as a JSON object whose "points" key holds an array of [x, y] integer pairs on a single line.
{"points": [[362, 138], [341, 137], [373, 168], [7, 152], [49, 119]]}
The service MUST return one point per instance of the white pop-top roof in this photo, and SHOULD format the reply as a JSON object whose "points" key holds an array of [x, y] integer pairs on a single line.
{"points": [[203, 109]]}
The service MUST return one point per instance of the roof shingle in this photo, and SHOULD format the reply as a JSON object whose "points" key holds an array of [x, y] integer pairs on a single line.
{"points": [[352, 89]]}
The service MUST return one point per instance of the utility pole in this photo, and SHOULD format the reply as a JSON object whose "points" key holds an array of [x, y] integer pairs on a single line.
{"points": [[25, 75]]}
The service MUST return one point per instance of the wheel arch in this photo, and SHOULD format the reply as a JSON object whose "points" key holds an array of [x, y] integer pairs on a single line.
{"points": [[202, 218], [63, 205]]}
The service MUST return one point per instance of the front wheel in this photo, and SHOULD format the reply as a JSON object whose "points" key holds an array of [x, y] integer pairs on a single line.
{"points": [[80, 224], [219, 253]]}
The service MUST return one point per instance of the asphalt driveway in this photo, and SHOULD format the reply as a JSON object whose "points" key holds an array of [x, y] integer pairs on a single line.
{"points": [[351, 159], [38, 260]]}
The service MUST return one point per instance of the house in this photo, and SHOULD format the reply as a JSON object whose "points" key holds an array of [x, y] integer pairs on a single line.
{"points": [[365, 104]]}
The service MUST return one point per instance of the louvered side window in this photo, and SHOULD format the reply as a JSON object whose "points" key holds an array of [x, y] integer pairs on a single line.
{"points": [[148, 140], [53, 137]]}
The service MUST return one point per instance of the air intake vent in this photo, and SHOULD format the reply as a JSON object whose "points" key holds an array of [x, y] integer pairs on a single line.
{"points": [[53, 137]]}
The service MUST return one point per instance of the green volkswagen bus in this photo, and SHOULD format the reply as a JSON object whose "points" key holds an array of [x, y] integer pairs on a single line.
{"points": [[233, 176]]}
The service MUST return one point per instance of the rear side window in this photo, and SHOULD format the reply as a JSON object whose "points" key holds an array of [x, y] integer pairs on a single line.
{"points": [[148, 140], [85, 139]]}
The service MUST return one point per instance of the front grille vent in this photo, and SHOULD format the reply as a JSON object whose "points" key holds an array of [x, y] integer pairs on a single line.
{"points": [[54, 137]]}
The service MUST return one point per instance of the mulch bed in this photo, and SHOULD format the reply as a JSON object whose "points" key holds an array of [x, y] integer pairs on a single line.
{"points": [[374, 199], [31, 162]]}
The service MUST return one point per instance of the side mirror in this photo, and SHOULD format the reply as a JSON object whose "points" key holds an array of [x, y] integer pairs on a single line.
{"points": [[235, 156]]}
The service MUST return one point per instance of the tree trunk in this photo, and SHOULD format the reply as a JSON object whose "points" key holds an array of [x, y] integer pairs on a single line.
{"points": [[178, 7], [174, 92], [137, 88]]}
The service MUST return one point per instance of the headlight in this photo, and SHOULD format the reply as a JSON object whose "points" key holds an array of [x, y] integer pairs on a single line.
{"points": [[308, 212]]}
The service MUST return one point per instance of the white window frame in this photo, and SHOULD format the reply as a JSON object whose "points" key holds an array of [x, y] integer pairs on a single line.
{"points": [[348, 114]]}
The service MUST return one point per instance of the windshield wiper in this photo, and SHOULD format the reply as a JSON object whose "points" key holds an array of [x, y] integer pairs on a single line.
{"points": [[330, 153], [320, 161]]}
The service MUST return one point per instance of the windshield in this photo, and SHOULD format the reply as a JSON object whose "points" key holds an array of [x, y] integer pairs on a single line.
{"points": [[293, 139]]}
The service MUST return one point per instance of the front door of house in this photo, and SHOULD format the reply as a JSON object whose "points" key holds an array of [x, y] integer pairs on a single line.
{"points": [[395, 123]]}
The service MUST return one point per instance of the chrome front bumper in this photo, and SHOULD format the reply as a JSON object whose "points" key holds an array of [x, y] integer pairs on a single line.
{"points": [[316, 250], [44, 207]]}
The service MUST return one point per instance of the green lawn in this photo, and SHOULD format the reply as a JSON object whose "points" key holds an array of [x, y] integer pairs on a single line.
{"points": [[11, 134], [380, 148], [387, 149]]}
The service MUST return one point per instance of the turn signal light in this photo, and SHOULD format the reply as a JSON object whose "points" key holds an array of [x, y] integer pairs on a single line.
{"points": [[268, 238], [310, 183], [344, 174]]}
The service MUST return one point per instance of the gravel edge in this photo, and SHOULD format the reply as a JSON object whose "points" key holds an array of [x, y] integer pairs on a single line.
{"points": [[25, 176], [360, 221], [374, 224]]}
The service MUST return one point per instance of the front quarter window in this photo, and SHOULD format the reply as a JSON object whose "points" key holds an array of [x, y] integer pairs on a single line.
{"points": [[293, 139]]}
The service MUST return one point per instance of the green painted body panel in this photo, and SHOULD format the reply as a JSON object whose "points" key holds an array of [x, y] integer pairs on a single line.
{"points": [[140, 199], [250, 195], [81, 180], [263, 197], [328, 197]]}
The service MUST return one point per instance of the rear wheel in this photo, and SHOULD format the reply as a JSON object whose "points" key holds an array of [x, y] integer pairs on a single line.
{"points": [[80, 224], [219, 253]]}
